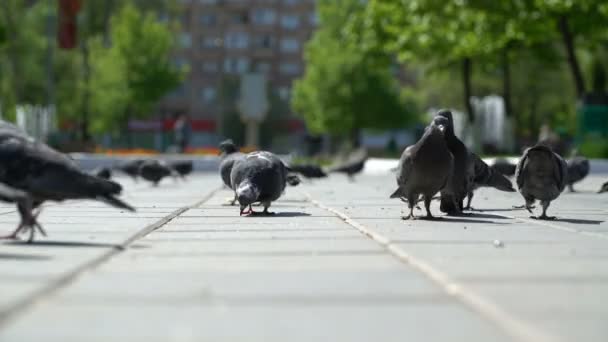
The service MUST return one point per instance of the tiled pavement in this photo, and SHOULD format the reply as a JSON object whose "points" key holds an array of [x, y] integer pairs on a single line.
{"points": [[335, 264]]}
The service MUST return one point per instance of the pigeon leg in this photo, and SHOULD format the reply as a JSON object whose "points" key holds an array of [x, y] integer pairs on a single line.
{"points": [[234, 199], [411, 215], [427, 206], [545, 205], [266, 212], [469, 199], [571, 188]]}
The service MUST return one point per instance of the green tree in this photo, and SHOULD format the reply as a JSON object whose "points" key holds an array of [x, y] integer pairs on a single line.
{"points": [[345, 88]]}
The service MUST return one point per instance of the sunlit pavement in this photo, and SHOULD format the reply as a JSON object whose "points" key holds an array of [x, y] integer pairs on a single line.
{"points": [[336, 263]]}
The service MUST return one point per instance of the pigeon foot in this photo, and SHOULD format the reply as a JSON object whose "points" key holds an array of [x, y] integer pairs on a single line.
{"points": [[543, 217]]}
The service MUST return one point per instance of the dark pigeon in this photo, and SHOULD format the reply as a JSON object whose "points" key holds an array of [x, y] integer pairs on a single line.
{"points": [[154, 171], [182, 167], [131, 167], [352, 166], [292, 179], [504, 166], [604, 188], [258, 177], [308, 170], [424, 169], [578, 169], [229, 154], [103, 172], [541, 175], [452, 196], [31, 173], [480, 174]]}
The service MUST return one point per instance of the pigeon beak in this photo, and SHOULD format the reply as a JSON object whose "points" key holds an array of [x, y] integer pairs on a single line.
{"points": [[441, 128]]}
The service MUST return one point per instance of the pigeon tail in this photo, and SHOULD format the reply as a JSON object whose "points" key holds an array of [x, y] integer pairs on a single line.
{"points": [[397, 193], [115, 202]]}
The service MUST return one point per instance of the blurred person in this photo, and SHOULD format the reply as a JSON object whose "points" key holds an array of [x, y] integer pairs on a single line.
{"points": [[182, 130]]}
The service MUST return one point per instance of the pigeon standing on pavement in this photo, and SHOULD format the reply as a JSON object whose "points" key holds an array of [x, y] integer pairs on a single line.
{"points": [[154, 171], [228, 156], [424, 169], [258, 177], [308, 170], [604, 188], [452, 196], [578, 169], [182, 167], [31, 173], [504, 166], [480, 174], [131, 168], [541, 175], [352, 166]]}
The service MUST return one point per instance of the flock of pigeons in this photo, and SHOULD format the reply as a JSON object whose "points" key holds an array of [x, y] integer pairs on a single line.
{"points": [[440, 163], [32, 172]]}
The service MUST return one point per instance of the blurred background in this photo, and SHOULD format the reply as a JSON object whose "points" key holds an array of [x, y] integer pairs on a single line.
{"points": [[164, 76]]}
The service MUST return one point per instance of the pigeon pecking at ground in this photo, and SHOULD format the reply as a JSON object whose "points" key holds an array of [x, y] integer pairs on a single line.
{"points": [[352, 166], [578, 169], [131, 168], [31, 173], [182, 167], [452, 196], [258, 177], [154, 171], [229, 154], [604, 188], [504, 166], [424, 169], [103, 172], [541, 175], [480, 174], [308, 170]]}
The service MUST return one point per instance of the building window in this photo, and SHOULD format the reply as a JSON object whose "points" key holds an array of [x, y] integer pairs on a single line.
{"points": [[291, 2], [240, 18], [313, 19], [180, 62], [236, 40], [208, 19], [263, 16], [284, 93], [236, 65], [289, 68], [210, 67], [290, 21], [289, 45], [208, 94], [210, 42], [263, 67], [185, 40], [265, 41]]}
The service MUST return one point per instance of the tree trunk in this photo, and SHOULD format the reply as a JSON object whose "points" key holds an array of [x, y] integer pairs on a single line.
{"points": [[506, 81], [13, 57], [568, 40], [86, 76], [466, 82]]}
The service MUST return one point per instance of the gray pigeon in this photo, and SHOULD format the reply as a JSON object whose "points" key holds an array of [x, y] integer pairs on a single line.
{"points": [[258, 177], [131, 168], [228, 156], [541, 175], [424, 169], [480, 174], [452, 196], [578, 169], [352, 166], [504, 166], [154, 171], [31, 173], [604, 188], [182, 167]]}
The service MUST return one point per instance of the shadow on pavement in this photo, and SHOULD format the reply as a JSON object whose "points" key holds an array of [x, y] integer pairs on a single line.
{"points": [[23, 257], [74, 244], [486, 216], [578, 221]]}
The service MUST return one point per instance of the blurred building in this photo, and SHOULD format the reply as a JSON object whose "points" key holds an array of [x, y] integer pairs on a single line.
{"points": [[222, 39]]}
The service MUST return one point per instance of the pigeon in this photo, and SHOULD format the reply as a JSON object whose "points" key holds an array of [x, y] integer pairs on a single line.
{"points": [[103, 172], [308, 170], [604, 188], [452, 196], [424, 169], [258, 177], [352, 166], [131, 168], [504, 166], [480, 174], [541, 175], [578, 169], [229, 155], [154, 171], [292, 179], [31, 173], [182, 167]]}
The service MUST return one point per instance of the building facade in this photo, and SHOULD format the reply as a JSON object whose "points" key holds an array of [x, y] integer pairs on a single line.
{"points": [[222, 39]]}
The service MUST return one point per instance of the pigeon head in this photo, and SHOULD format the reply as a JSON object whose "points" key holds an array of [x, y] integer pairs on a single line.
{"points": [[443, 124], [500, 182], [247, 194], [446, 114], [228, 146]]}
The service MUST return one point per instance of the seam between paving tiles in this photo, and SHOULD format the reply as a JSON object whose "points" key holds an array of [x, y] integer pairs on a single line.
{"points": [[513, 326], [21, 305]]}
